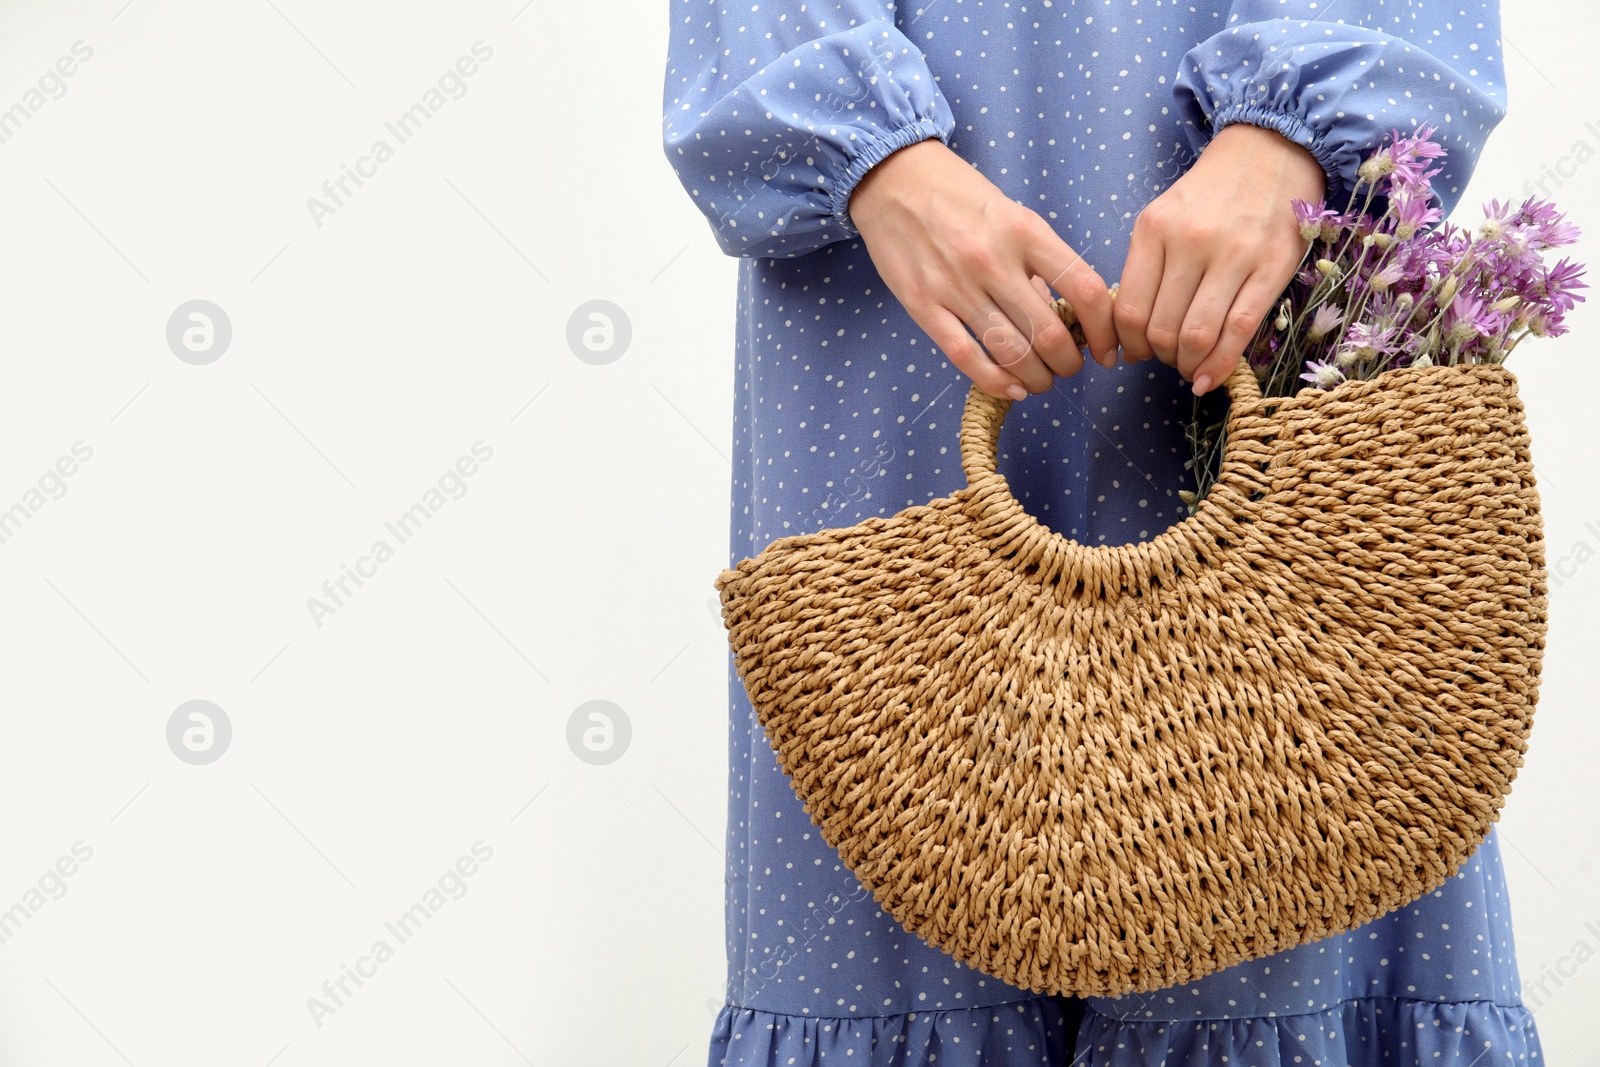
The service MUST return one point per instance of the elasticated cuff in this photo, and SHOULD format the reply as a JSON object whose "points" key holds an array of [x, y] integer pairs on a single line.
{"points": [[873, 154], [1295, 128]]}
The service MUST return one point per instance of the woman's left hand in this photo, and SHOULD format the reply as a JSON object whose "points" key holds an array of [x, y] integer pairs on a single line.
{"points": [[1210, 257]]}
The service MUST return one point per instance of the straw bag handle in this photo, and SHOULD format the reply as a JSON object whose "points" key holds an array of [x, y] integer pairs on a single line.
{"points": [[981, 420]]}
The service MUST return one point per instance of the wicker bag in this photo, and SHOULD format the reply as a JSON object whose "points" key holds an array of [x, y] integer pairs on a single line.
{"points": [[1090, 771]]}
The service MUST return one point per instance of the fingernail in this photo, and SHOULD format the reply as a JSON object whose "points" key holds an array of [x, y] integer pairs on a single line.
{"points": [[1201, 384], [1107, 360], [1016, 392]]}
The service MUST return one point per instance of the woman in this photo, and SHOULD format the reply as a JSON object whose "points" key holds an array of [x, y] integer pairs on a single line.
{"points": [[892, 179]]}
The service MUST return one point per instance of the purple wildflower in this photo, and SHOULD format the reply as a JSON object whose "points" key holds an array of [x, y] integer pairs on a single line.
{"points": [[1541, 219], [1533, 225], [1316, 220], [1322, 374], [1401, 166], [1381, 280], [1411, 154], [1325, 319], [1364, 342], [1412, 209], [1559, 283], [1467, 318]]}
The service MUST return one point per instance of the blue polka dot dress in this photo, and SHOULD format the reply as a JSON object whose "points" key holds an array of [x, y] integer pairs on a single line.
{"points": [[1083, 110]]}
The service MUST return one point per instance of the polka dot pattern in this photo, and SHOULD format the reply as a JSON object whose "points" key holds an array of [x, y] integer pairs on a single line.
{"points": [[1083, 110]]}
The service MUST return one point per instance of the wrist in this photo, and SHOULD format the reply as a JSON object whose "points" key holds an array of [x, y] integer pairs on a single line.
{"points": [[1300, 166], [904, 167]]}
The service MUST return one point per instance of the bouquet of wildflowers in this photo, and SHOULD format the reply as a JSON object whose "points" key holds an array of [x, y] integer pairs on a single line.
{"points": [[1391, 291]]}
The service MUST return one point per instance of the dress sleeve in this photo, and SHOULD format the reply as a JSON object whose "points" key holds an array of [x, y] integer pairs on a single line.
{"points": [[773, 112], [1339, 85]]}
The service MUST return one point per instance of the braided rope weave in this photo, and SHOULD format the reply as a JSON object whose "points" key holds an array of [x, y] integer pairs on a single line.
{"points": [[1091, 771]]}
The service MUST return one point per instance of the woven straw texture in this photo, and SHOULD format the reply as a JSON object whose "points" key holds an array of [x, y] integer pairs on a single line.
{"points": [[1091, 771]]}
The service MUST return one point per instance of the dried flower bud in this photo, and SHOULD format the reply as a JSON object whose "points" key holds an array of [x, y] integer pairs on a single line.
{"points": [[1423, 360], [1322, 323], [1508, 303], [1327, 267], [1447, 290], [1383, 240], [1380, 164], [1404, 300]]}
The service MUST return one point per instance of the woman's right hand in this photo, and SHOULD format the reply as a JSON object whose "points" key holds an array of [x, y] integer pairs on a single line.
{"points": [[956, 251]]}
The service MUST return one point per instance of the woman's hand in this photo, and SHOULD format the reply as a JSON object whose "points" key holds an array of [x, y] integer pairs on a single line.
{"points": [[1210, 257], [956, 251]]}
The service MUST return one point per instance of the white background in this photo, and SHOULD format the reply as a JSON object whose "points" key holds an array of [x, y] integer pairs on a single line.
{"points": [[430, 711]]}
